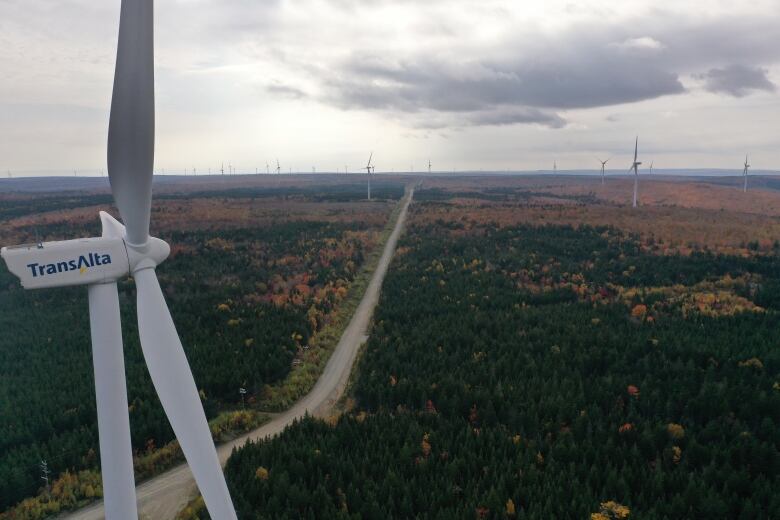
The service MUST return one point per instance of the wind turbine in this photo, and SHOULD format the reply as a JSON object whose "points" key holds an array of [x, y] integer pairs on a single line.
{"points": [[635, 167], [124, 250], [267, 168], [651, 167], [745, 174], [278, 168], [368, 169], [555, 167], [603, 165], [429, 166]]}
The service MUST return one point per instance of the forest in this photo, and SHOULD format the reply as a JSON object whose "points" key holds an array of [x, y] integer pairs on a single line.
{"points": [[246, 301], [545, 371]]}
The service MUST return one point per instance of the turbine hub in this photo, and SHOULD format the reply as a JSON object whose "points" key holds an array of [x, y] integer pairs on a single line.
{"points": [[147, 256]]}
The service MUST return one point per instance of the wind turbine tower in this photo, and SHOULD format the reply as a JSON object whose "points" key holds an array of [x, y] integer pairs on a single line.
{"points": [[635, 167], [603, 166], [278, 167], [651, 167], [745, 175], [429, 166], [129, 251], [369, 169]]}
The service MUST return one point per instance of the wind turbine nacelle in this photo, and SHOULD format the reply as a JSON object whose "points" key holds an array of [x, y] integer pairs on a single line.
{"points": [[84, 261]]}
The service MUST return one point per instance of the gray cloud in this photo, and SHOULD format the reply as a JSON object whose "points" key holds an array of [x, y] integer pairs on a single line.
{"points": [[582, 81], [542, 74], [499, 116], [526, 85], [737, 80], [513, 116], [285, 91]]}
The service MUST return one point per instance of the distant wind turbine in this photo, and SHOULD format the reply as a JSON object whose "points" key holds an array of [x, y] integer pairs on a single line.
{"points": [[745, 174], [369, 169], [222, 169], [635, 167], [278, 167], [555, 167], [429, 166], [603, 165], [651, 167], [267, 168]]}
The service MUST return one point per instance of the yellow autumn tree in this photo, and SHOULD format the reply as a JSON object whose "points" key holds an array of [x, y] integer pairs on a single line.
{"points": [[425, 445], [676, 431], [261, 473], [510, 508], [611, 510], [676, 454]]}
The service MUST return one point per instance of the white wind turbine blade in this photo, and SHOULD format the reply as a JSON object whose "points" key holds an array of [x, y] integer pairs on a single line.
{"points": [[116, 455], [636, 148], [369, 160], [175, 385], [131, 126]]}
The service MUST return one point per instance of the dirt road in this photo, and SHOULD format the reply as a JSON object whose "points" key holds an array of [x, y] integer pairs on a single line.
{"points": [[161, 497]]}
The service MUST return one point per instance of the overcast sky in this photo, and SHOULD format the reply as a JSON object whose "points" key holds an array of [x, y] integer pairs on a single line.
{"points": [[470, 84]]}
